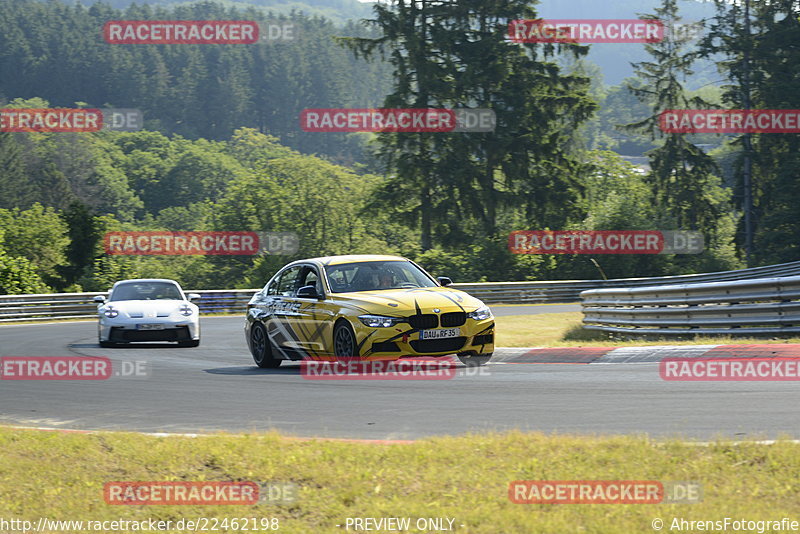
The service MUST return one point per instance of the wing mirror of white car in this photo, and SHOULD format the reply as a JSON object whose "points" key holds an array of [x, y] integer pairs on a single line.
{"points": [[444, 281], [193, 296], [100, 299]]}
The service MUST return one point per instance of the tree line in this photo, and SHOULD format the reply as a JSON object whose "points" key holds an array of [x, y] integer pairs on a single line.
{"points": [[535, 169], [56, 51]]}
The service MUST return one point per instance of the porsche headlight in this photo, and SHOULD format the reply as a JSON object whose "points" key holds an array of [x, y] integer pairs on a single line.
{"points": [[378, 321], [480, 314], [186, 310], [110, 312]]}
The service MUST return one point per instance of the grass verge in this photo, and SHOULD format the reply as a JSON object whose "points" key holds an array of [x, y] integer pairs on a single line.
{"points": [[61, 476], [564, 330]]}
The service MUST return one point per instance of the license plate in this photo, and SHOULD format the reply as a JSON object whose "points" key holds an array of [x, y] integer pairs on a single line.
{"points": [[150, 326], [440, 333]]}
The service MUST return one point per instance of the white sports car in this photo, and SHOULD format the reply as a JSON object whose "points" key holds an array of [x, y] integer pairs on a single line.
{"points": [[148, 310]]}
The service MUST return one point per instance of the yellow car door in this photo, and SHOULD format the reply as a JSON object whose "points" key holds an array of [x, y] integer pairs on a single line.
{"points": [[313, 323]]}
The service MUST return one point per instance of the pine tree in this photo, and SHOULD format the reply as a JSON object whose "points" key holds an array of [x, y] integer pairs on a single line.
{"points": [[759, 43], [683, 176], [16, 189], [409, 157], [525, 162], [777, 156], [84, 234], [448, 54]]}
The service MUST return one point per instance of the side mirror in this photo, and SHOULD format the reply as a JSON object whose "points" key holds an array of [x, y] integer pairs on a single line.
{"points": [[100, 299], [193, 296], [308, 292], [444, 281]]}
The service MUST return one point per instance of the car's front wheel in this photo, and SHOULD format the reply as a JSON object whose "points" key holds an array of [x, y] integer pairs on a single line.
{"points": [[261, 348], [474, 360], [344, 340]]}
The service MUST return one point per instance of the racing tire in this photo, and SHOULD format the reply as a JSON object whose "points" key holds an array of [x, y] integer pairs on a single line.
{"points": [[261, 348], [344, 341], [475, 360], [190, 343]]}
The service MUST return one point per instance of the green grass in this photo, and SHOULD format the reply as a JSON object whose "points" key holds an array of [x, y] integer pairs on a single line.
{"points": [[564, 330], [61, 476]]}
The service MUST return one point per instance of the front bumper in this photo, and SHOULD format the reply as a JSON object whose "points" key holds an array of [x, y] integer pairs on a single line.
{"points": [[127, 331], [393, 343]]}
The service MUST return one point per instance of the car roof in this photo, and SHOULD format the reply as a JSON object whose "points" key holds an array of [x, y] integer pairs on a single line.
{"points": [[353, 258]]}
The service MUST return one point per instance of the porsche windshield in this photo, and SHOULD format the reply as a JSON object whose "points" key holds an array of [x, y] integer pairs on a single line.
{"points": [[376, 276], [146, 291]]}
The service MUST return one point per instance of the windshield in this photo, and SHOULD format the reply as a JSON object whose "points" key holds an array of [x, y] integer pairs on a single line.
{"points": [[376, 276], [146, 291]]}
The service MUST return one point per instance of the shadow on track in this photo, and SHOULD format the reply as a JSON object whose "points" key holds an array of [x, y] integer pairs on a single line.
{"points": [[253, 370]]}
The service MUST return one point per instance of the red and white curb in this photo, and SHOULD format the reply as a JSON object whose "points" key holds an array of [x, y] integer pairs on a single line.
{"points": [[648, 354]]}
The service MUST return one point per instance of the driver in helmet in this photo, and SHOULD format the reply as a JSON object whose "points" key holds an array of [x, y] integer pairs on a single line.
{"points": [[380, 280]]}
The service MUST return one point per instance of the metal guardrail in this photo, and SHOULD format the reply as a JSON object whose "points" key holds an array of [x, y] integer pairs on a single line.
{"points": [[742, 307], [16, 308], [570, 290], [46, 307]]}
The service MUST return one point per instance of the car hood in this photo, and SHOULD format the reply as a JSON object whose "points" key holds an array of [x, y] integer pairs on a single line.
{"points": [[409, 301], [148, 308]]}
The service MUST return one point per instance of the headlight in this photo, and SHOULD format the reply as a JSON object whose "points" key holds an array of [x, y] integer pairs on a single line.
{"points": [[376, 321], [110, 312], [480, 314], [186, 310]]}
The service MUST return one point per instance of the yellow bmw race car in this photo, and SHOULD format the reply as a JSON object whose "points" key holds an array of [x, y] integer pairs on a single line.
{"points": [[371, 307]]}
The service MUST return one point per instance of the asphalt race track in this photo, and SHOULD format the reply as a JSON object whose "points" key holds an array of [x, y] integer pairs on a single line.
{"points": [[217, 387]]}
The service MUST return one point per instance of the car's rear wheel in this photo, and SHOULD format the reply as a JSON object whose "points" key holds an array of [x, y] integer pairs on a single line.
{"points": [[190, 343], [475, 360], [261, 348], [344, 341]]}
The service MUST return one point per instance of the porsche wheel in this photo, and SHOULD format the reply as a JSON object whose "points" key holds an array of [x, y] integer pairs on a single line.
{"points": [[344, 340], [261, 348]]}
